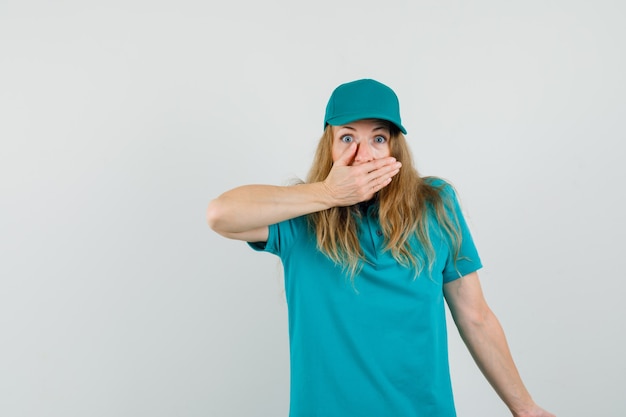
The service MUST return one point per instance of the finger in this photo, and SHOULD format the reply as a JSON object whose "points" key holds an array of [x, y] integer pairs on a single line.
{"points": [[384, 172], [382, 183], [376, 186], [347, 156], [381, 180], [377, 164]]}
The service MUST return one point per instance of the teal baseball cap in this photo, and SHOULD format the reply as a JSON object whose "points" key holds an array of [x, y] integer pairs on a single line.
{"points": [[363, 99]]}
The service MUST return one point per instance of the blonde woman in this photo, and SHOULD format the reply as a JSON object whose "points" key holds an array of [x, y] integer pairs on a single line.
{"points": [[371, 250]]}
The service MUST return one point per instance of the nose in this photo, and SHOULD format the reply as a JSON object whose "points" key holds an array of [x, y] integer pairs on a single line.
{"points": [[363, 153]]}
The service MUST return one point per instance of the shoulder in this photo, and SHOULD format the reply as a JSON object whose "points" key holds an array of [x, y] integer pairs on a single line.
{"points": [[441, 187], [438, 182]]}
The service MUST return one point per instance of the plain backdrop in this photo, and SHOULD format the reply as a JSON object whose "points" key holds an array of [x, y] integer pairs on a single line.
{"points": [[121, 120]]}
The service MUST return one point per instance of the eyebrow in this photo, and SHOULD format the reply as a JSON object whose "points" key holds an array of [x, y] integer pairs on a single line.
{"points": [[383, 127]]}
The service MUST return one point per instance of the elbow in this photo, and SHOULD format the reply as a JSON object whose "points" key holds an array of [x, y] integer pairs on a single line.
{"points": [[214, 215], [474, 317], [216, 218], [480, 317]]}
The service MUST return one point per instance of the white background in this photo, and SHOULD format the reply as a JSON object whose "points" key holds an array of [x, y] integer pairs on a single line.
{"points": [[120, 120]]}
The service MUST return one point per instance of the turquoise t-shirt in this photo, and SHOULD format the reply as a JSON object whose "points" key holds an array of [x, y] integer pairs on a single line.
{"points": [[377, 348]]}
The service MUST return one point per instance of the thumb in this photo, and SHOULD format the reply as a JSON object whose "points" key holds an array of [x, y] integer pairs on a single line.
{"points": [[347, 155]]}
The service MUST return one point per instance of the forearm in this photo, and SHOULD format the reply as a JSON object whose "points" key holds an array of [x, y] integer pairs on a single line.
{"points": [[252, 206], [487, 343]]}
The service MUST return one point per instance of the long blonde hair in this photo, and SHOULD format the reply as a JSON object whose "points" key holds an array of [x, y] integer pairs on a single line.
{"points": [[405, 209]]}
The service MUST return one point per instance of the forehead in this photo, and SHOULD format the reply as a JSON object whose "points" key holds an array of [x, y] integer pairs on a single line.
{"points": [[364, 125]]}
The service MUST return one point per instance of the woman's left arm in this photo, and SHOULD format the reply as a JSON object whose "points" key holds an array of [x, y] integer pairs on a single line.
{"points": [[483, 335]]}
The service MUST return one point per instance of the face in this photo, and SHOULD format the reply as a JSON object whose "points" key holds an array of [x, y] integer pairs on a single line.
{"points": [[371, 136]]}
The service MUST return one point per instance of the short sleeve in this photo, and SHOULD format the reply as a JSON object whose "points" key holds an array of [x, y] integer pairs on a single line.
{"points": [[271, 244], [280, 236], [468, 260]]}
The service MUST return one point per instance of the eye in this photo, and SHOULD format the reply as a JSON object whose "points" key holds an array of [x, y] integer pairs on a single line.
{"points": [[380, 139], [347, 139]]}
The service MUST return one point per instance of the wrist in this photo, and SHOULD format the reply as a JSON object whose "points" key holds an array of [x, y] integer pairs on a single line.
{"points": [[324, 195], [529, 410]]}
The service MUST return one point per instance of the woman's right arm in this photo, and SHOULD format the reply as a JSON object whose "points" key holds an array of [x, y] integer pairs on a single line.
{"points": [[245, 212]]}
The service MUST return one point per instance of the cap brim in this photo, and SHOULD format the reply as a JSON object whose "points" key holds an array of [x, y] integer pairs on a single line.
{"points": [[346, 119]]}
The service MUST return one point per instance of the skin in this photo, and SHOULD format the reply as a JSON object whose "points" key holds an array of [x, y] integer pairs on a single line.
{"points": [[362, 166], [484, 337], [360, 169], [370, 136]]}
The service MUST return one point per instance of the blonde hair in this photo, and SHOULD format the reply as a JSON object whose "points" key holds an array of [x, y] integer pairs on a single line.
{"points": [[405, 209]]}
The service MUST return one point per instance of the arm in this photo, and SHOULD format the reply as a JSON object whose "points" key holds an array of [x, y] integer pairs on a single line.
{"points": [[245, 212], [481, 331]]}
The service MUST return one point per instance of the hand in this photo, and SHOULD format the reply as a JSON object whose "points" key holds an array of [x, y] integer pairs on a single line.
{"points": [[348, 184]]}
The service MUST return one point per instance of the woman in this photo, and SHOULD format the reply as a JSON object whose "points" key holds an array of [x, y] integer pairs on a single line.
{"points": [[371, 250]]}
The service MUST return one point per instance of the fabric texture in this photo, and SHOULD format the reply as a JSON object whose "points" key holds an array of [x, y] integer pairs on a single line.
{"points": [[363, 99], [375, 346]]}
